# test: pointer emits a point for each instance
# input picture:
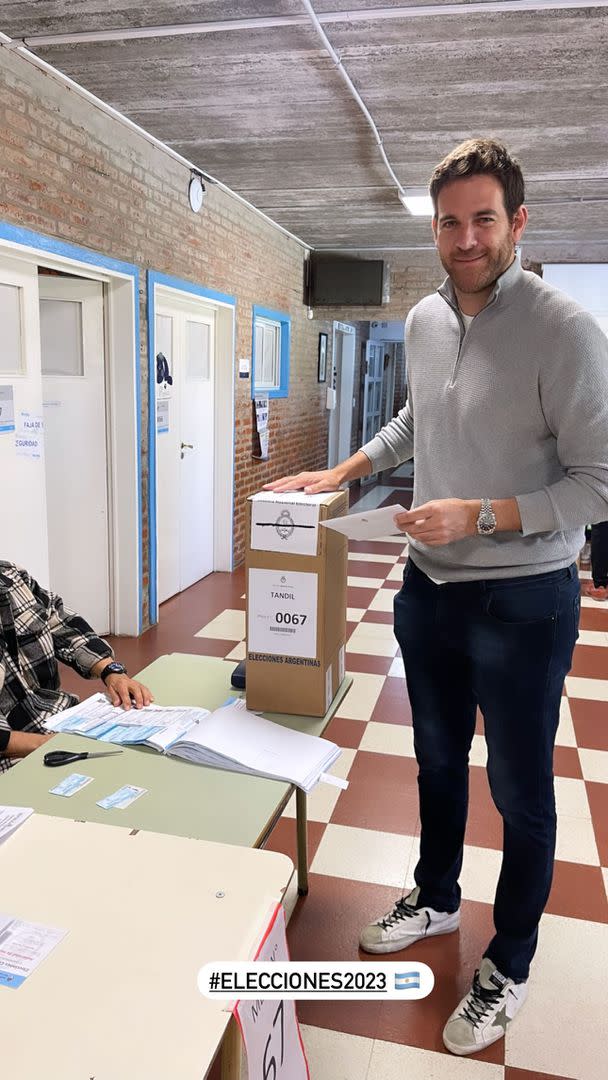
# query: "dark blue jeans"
(505, 645)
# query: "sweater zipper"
(462, 329)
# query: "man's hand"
(127, 692)
(310, 482)
(441, 521)
(327, 479)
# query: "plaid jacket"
(36, 630)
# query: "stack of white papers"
(156, 725)
(230, 738)
(234, 738)
(11, 817)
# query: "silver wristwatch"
(486, 522)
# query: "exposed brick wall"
(69, 171)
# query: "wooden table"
(182, 798)
(117, 998)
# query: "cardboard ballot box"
(296, 602)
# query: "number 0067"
(288, 619)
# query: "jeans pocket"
(521, 603)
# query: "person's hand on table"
(125, 691)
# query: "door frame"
(123, 382)
(333, 439)
(224, 305)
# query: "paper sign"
(282, 613)
(23, 946)
(29, 439)
(162, 416)
(261, 423)
(286, 522)
(7, 409)
(368, 525)
(244, 367)
(270, 1030)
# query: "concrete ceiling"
(263, 109)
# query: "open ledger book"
(228, 738)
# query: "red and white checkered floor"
(364, 843)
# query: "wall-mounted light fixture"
(417, 201)
(196, 192)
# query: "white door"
(23, 529)
(343, 373)
(372, 393)
(185, 349)
(74, 396)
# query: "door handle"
(187, 446)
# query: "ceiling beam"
(264, 22)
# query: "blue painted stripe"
(152, 545)
(7, 427)
(27, 238)
(51, 245)
(190, 287)
(139, 492)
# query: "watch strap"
(114, 667)
(486, 521)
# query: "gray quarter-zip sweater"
(516, 406)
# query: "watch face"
(196, 191)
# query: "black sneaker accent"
(402, 910)
(481, 1002)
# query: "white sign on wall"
(270, 1028)
(29, 439)
(282, 612)
(162, 416)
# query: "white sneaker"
(405, 924)
(483, 1015)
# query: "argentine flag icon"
(407, 980)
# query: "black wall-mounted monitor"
(339, 281)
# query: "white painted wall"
(585, 283)
(391, 330)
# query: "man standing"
(507, 418)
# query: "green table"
(182, 799)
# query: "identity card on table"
(122, 798)
(70, 784)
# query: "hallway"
(364, 843)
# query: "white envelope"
(369, 524)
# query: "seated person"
(36, 631)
